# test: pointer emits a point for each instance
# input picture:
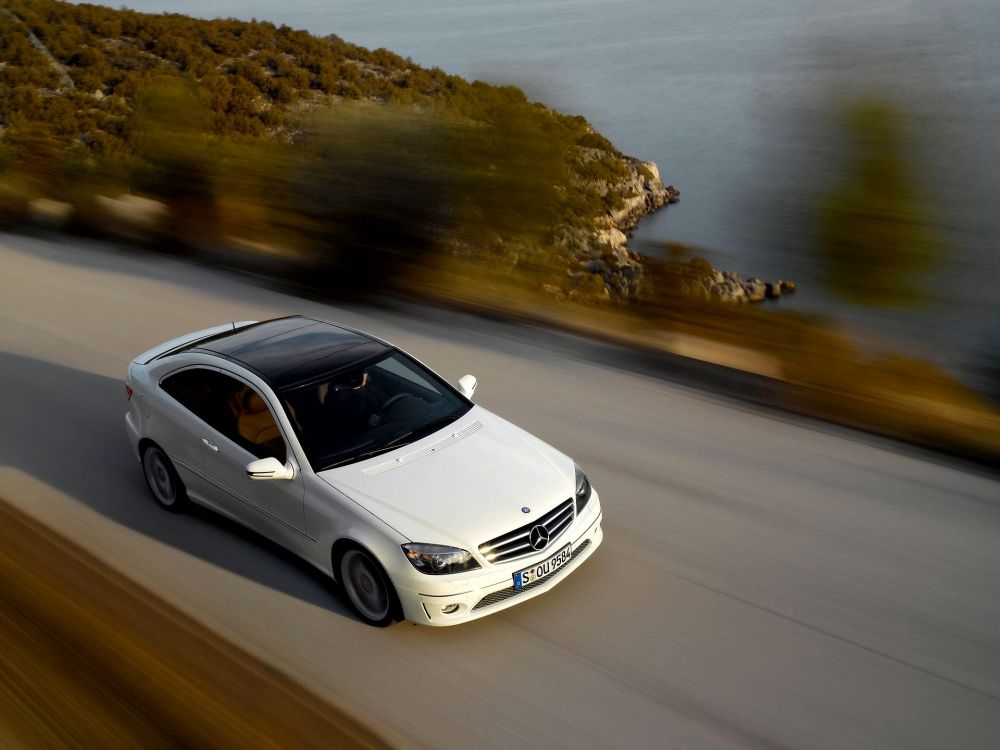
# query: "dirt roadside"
(90, 659)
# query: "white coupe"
(363, 461)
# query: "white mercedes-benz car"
(363, 461)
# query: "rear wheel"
(164, 484)
(368, 588)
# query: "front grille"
(503, 594)
(515, 544)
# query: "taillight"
(128, 391)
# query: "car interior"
(254, 423)
(363, 407)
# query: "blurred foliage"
(874, 228)
(373, 191)
(175, 164)
(252, 82)
(380, 189)
(354, 166)
(667, 276)
(13, 205)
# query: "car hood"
(462, 485)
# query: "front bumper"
(491, 589)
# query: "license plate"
(539, 570)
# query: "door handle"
(210, 445)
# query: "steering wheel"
(391, 402)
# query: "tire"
(367, 588)
(162, 480)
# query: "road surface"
(764, 582)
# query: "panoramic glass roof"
(289, 351)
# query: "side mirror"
(467, 385)
(270, 468)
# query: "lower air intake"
(499, 596)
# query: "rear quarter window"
(193, 389)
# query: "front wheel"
(368, 588)
(164, 484)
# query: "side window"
(246, 419)
(193, 388)
(231, 407)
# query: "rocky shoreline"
(726, 286)
(605, 253)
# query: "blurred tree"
(176, 161)
(371, 190)
(383, 189)
(875, 231)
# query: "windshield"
(374, 407)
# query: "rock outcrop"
(729, 287)
(604, 253)
(643, 192)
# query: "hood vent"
(417, 455)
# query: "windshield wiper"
(424, 429)
(391, 445)
(396, 442)
(435, 424)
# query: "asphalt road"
(764, 582)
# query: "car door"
(240, 429)
(177, 425)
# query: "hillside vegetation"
(212, 116)
(252, 77)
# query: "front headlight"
(437, 559)
(583, 490)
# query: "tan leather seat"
(254, 422)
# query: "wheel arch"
(341, 546)
(145, 443)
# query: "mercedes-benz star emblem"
(538, 537)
